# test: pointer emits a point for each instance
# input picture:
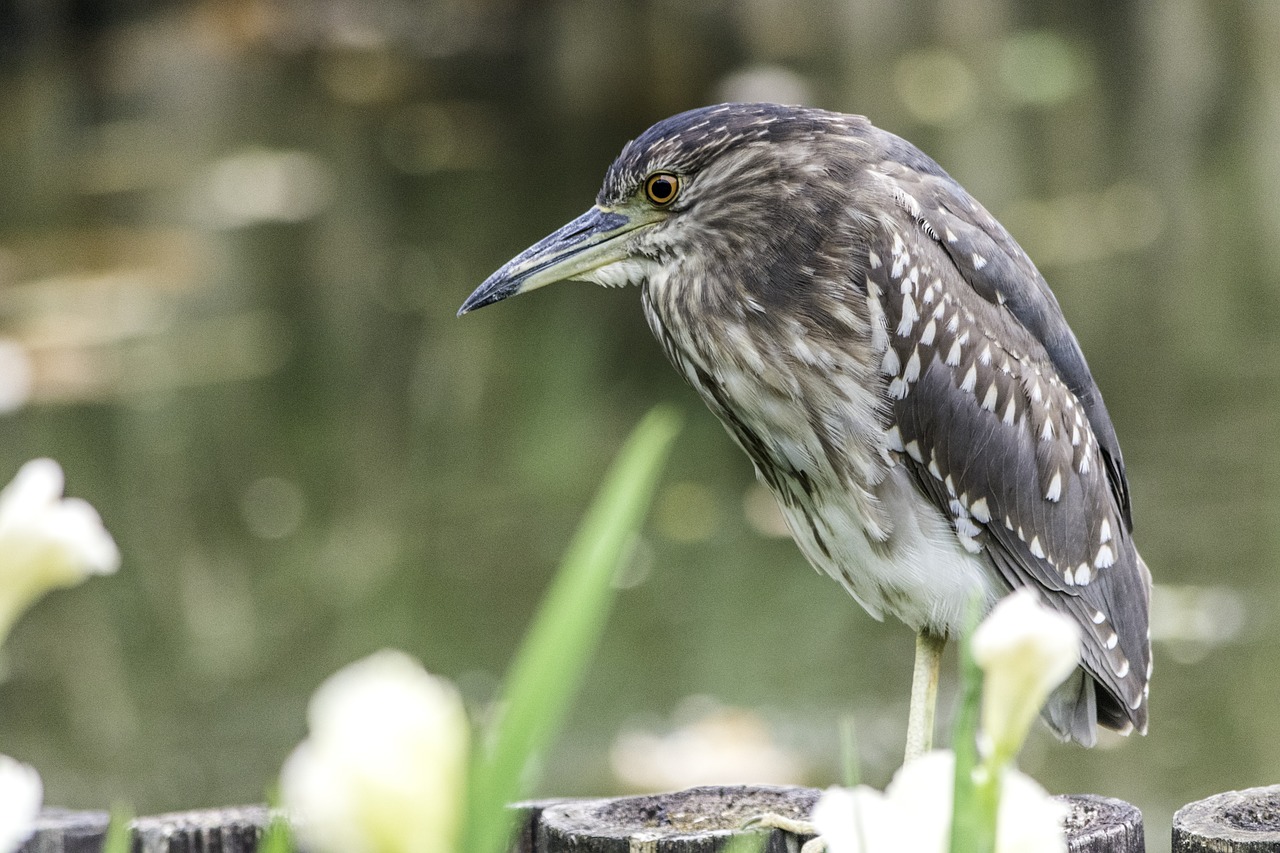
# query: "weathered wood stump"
(229, 830)
(702, 820)
(699, 820)
(66, 831)
(1103, 825)
(1235, 822)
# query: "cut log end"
(1102, 825)
(1245, 821)
(695, 820)
(701, 820)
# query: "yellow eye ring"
(661, 188)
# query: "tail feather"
(1073, 708)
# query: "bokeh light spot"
(762, 513)
(272, 507)
(686, 512)
(1040, 68)
(769, 83)
(15, 376)
(267, 186)
(934, 85)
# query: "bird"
(895, 367)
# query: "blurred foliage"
(552, 661)
(234, 236)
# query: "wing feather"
(1015, 444)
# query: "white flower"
(384, 767)
(46, 541)
(20, 797)
(1025, 650)
(1030, 821)
(858, 820)
(914, 813)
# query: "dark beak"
(593, 240)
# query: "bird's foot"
(791, 826)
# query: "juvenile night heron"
(896, 368)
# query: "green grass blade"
(753, 842)
(850, 770)
(119, 838)
(278, 835)
(553, 659)
(973, 818)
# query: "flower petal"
(1025, 650)
(384, 767)
(21, 793)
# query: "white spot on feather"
(1054, 492)
(1084, 575)
(978, 261)
(992, 397)
(953, 354)
(1111, 641)
(1009, 411)
(900, 262)
(970, 378)
(909, 316)
(893, 438)
(913, 450)
(912, 373)
(1104, 532)
(1105, 558)
(926, 336)
(1036, 549)
(980, 511)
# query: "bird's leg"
(924, 694)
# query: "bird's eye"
(661, 188)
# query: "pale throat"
(628, 271)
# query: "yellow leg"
(924, 694)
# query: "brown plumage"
(893, 364)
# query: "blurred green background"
(233, 237)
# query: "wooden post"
(65, 831)
(697, 820)
(701, 820)
(1235, 822)
(229, 830)
(1103, 825)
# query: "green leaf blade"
(553, 659)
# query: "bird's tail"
(1072, 709)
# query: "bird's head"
(730, 181)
